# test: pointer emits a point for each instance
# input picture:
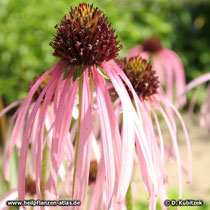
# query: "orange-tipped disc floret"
(152, 45)
(93, 171)
(84, 37)
(30, 185)
(142, 77)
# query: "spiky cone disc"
(142, 77)
(30, 186)
(84, 37)
(151, 45)
(93, 171)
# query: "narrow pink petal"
(116, 138)
(83, 161)
(158, 67)
(61, 127)
(40, 134)
(179, 74)
(58, 93)
(24, 107)
(139, 130)
(128, 133)
(174, 140)
(159, 168)
(12, 105)
(26, 137)
(205, 111)
(198, 81)
(168, 68)
(96, 148)
(6, 169)
(126, 174)
(167, 103)
(34, 144)
(159, 131)
(111, 139)
(67, 120)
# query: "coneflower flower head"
(152, 45)
(30, 185)
(141, 75)
(168, 66)
(84, 37)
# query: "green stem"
(129, 202)
(78, 131)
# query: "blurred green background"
(27, 27)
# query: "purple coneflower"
(145, 82)
(168, 66)
(86, 46)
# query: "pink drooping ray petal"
(193, 101)
(128, 136)
(153, 193)
(34, 143)
(96, 148)
(179, 73)
(85, 143)
(158, 68)
(40, 133)
(205, 111)
(49, 125)
(24, 107)
(6, 169)
(198, 81)
(62, 124)
(106, 114)
(169, 75)
(143, 167)
(96, 126)
(175, 146)
(11, 106)
(138, 122)
(116, 138)
(139, 132)
(159, 131)
(167, 103)
(159, 167)
(120, 72)
(58, 93)
(67, 120)
(12, 195)
(27, 133)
